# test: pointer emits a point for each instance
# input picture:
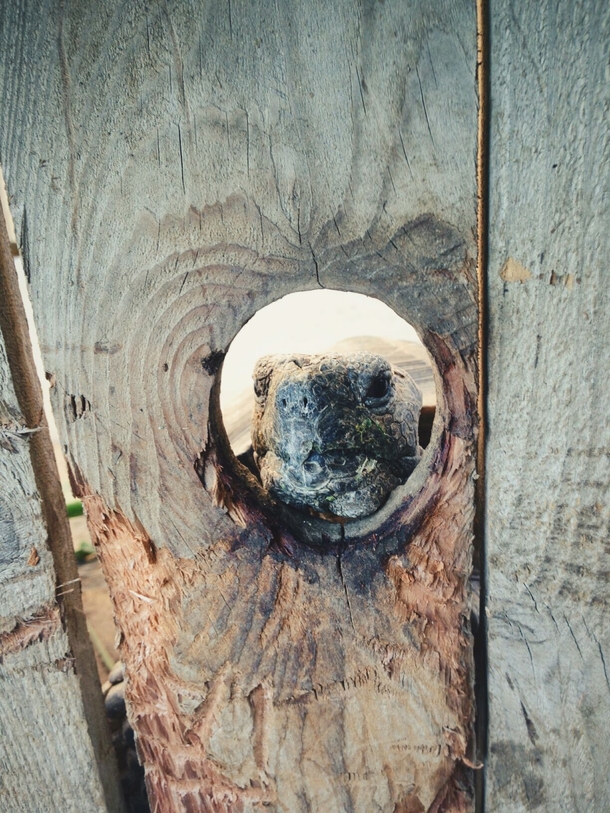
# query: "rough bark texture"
(549, 435)
(174, 167)
(55, 752)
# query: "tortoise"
(334, 434)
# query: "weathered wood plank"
(549, 436)
(174, 167)
(55, 752)
(25, 587)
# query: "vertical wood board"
(174, 167)
(47, 761)
(548, 452)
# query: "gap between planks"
(482, 173)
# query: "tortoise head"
(334, 433)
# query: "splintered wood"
(240, 155)
(297, 663)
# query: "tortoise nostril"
(283, 402)
(305, 402)
(261, 385)
(314, 468)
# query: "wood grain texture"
(549, 436)
(183, 165)
(47, 758)
(25, 587)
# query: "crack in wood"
(29, 631)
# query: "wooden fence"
(172, 167)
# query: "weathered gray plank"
(47, 762)
(25, 588)
(549, 436)
(174, 167)
(55, 754)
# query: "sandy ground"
(96, 602)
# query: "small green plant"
(84, 552)
(74, 508)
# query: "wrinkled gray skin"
(334, 433)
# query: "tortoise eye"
(379, 386)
